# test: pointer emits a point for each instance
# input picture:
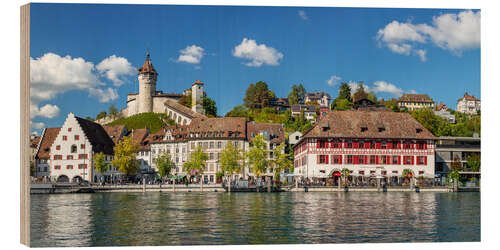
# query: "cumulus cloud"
(36, 125)
(51, 75)
(377, 87)
(303, 15)
(258, 54)
(104, 95)
(115, 68)
(191, 54)
(453, 32)
(334, 80)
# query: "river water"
(106, 219)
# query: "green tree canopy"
(125, 152)
(345, 92)
(342, 104)
(113, 111)
(231, 159)
(209, 107)
(371, 96)
(257, 95)
(238, 111)
(281, 161)
(165, 164)
(196, 162)
(257, 156)
(297, 94)
(100, 163)
(360, 93)
(102, 114)
(474, 162)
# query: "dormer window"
(381, 129)
(419, 130)
(363, 129)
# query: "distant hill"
(152, 121)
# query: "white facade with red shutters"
(337, 142)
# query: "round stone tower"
(147, 86)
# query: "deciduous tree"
(165, 164)
(125, 156)
(257, 156)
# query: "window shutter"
(412, 145)
(332, 145)
(355, 145)
(367, 145)
(327, 144)
(377, 145)
(376, 159)
(355, 159)
(345, 144)
(399, 159)
(389, 159)
(326, 158)
(425, 145)
(340, 159)
(366, 159)
(412, 159)
(425, 160)
(389, 145)
(317, 144)
(317, 159)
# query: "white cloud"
(51, 75)
(377, 87)
(104, 95)
(191, 54)
(453, 32)
(334, 80)
(258, 54)
(303, 15)
(36, 125)
(114, 68)
(422, 54)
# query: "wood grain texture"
(25, 124)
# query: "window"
(69, 166)
(212, 144)
(205, 144)
(384, 145)
(361, 144)
(323, 159)
(58, 147)
(69, 157)
(395, 159)
(82, 156)
(211, 156)
(408, 160)
(372, 171)
(219, 144)
(211, 178)
(361, 159)
(422, 160)
(176, 149)
(373, 145)
(373, 159)
(421, 145)
(77, 137)
(337, 159)
(322, 144)
(73, 148)
(57, 157)
(82, 146)
(349, 145)
(394, 145)
(349, 159)
(69, 129)
(395, 172)
(65, 138)
(420, 172)
(407, 145)
(82, 166)
(57, 167)
(361, 172)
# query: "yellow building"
(415, 101)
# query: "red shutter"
(340, 159)
(326, 156)
(389, 159)
(425, 145)
(376, 159)
(367, 145)
(317, 159)
(412, 159)
(355, 159)
(366, 159)
(399, 159)
(327, 144)
(332, 145)
(55, 157)
(377, 145)
(345, 144)
(355, 145)
(389, 145)
(412, 145)
(425, 160)
(317, 144)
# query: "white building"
(42, 157)
(309, 111)
(468, 104)
(322, 98)
(294, 137)
(370, 144)
(74, 147)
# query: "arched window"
(73, 148)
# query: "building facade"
(322, 98)
(42, 157)
(309, 111)
(468, 104)
(449, 148)
(369, 143)
(415, 101)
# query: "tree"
(345, 92)
(407, 174)
(186, 99)
(342, 104)
(238, 111)
(113, 111)
(230, 159)
(165, 164)
(455, 176)
(474, 162)
(125, 152)
(257, 156)
(297, 94)
(456, 164)
(345, 172)
(257, 95)
(100, 164)
(209, 107)
(372, 97)
(89, 118)
(360, 93)
(281, 160)
(101, 115)
(196, 163)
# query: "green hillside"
(152, 121)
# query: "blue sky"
(84, 57)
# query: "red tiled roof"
(415, 98)
(275, 131)
(378, 124)
(183, 109)
(140, 136)
(197, 82)
(115, 132)
(48, 137)
(147, 67)
(218, 127)
(469, 98)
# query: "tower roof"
(147, 67)
(197, 82)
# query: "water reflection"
(105, 219)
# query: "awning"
(337, 174)
(177, 177)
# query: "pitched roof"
(317, 95)
(218, 127)
(147, 67)
(415, 98)
(114, 132)
(198, 82)
(140, 136)
(97, 136)
(182, 109)
(275, 131)
(469, 98)
(48, 137)
(303, 107)
(378, 124)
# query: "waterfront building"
(468, 104)
(322, 98)
(42, 156)
(449, 148)
(74, 147)
(371, 144)
(415, 101)
(308, 110)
